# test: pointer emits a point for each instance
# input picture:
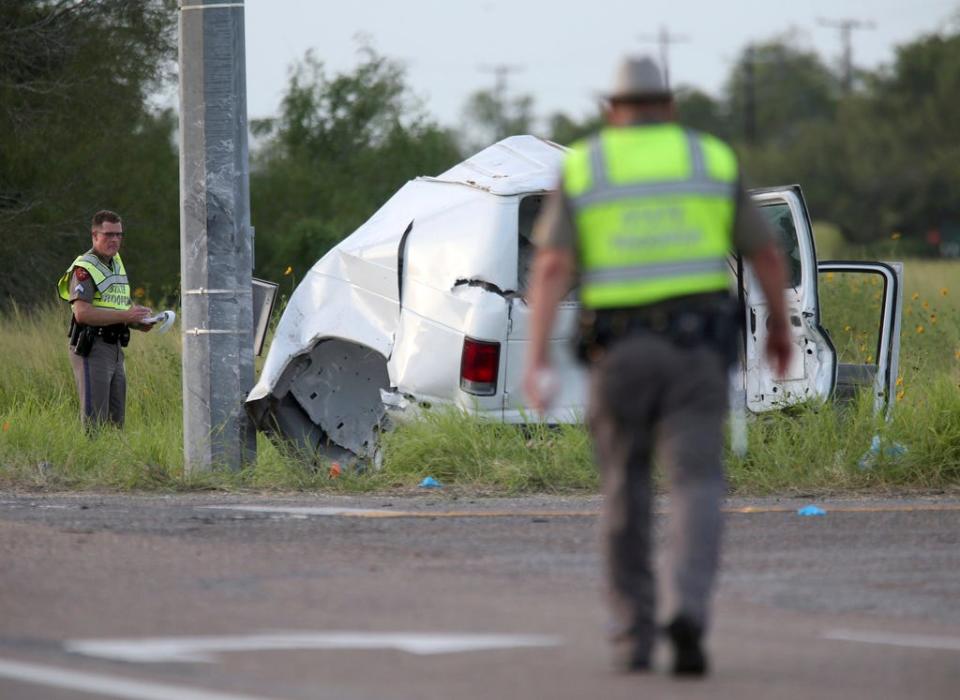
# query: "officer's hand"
(539, 386)
(136, 313)
(779, 347)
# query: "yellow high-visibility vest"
(112, 287)
(654, 207)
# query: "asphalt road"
(212, 598)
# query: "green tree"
(566, 130)
(700, 111)
(910, 128)
(776, 86)
(491, 116)
(76, 134)
(882, 159)
(340, 148)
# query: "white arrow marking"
(204, 649)
(101, 685)
(917, 641)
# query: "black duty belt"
(713, 320)
(117, 333)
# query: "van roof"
(515, 165)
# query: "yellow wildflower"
(926, 304)
(829, 277)
(916, 295)
(920, 329)
(900, 395)
(869, 359)
(139, 292)
(900, 381)
(847, 329)
(895, 235)
(944, 291)
(288, 270)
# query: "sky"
(562, 54)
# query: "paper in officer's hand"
(164, 318)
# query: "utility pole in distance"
(215, 236)
(750, 95)
(500, 72)
(846, 26)
(664, 38)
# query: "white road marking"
(306, 510)
(916, 641)
(102, 685)
(204, 649)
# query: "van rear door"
(812, 370)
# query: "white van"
(424, 305)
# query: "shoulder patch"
(81, 273)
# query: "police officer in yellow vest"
(646, 215)
(96, 286)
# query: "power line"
(664, 38)
(846, 27)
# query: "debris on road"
(811, 510)
(430, 483)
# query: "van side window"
(779, 217)
(529, 210)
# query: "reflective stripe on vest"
(112, 286)
(654, 208)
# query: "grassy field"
(808, 449)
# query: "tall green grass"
(809, 448)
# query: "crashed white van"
(424, 305)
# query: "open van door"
(862, 303)
(812, 370)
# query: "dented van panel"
(389, 322)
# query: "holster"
(81, 338)
(714, 320)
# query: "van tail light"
(479, 367)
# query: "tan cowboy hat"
(639, 79)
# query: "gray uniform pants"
(650, 397)
(101, 383)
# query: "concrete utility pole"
(846, 26)
(215, 235)
(664, 38)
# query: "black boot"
(631, 657)
(689, 658)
